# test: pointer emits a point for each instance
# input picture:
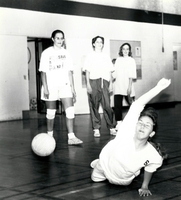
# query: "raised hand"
(163, 83)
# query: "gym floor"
(66, 173)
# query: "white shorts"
(57, 93)
(99, 174)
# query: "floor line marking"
(171, 167)
(79, 190)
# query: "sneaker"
(96, 133)
(94, 163)
(74, 141)
(118, 125)
(113, 131)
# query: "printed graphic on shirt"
(56, 62)
(146, 163)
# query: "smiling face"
(125, 50)
(58, 40)
(98, 45)
(144, 128)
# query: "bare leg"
(68, 102)
(72, 139)
(50, 122)
(50, 125)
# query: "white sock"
(71, 135)
(50, 133)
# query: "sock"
(71, 135)
(50, 133)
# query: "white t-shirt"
(56, 64)
(119, 159)
(99, 65)
(125, 68)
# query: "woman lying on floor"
(121, 160)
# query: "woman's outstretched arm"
(148, 96)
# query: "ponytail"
(159, 149)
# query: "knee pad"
(70, 112)
(50, 113)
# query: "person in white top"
(121, 160)
(56, 69)
(125, 73)
(99, 68)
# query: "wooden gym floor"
(66, 173)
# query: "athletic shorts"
(99, 174)
(57, 93)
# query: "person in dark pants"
(99, 68)
(125, 73)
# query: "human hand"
(46, 94)
(144, 192)
(130, 99)
(129, 91)
(163, 83)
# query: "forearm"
(111, 77)
(87, 75)
(161, 85)
(144, 191)
(144, 99)
(129, 86)
(146, 180)
(44, 80)
(71, 78)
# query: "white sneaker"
(118, 125)
(74, 141)
(96, 133)
(113, 131)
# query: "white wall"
(16, 25)
(13, 77)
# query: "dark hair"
(95, 38)
(159, 148)
(151, 112)
(57, 31)
(121, 48)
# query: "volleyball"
(43, 144)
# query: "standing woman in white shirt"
(56, 69)
(99, 68)
(125, 72)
